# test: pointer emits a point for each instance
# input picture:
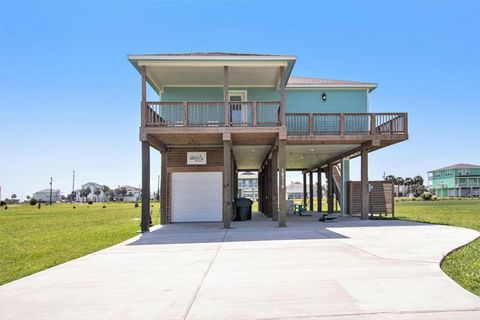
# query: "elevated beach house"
(458, 180)
(219, 113)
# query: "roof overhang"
(369, 87)
(208, 71)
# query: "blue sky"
(69, 99)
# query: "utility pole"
(51, 190)
(73, 185)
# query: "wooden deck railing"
(206, 114)
(346, 123)
(266, 114)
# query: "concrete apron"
(347, 270)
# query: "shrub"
(39, 205)
(426, 196)
(33, 202)
(90, 202)
(136, 204)
(6, 207)
(2, 203)
(74, 207)
(104, 206)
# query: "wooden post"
(330, 188)
(282, 96)
(274, 174)
(305, 189)
(185, 113)
(319, 190)
(269, 187)
(342, 124)
(282, 191)
(145, 220)
(260, 191)
(227, 180)
(373, 124)
(311, 190)
(254, 114)
(310, 124)
(163, 189)
(225, 97)
(143, 104)
(364, 183)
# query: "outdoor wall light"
(324, 97)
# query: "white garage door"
(196, 196)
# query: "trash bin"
(244, 209)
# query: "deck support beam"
(225, 96)
(345, 179)
(268, 171)
(364, 183)
(330, 187)
(311, 191)
(282, 190)
(282, 96)
(227, 180)
(319, 190)
(274, 175)
(145, 219)
(163, 188)
(305, 189)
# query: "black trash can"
(244, 209)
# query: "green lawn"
(462, 265)
(34, 239)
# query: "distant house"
(248, 185)
(295, 190)
(91, 196)
(133, 194)
(44, 195)
(458, 180)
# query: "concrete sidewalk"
(310, 270)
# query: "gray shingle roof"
(458, 166)
(298, 81)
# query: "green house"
(458, 180)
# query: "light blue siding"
(297, 101)
(216, 94)
(338, 101)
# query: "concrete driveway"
(310, 270)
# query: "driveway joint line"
(199, 287)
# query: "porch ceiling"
(195, 76)
(250, 157)
(306, 156)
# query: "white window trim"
(242, 93)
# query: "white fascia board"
(217, 63)
(209, 58)
(370, 88)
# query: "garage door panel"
(196, 196)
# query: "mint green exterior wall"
(338, 101)
(301, 101)
(216, 94)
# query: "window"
(436, 175)
(464, 172)
(449, 173)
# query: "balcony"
(346, 123)
(267, 114)
(212, 114)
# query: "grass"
(462, 265)
(33, 239)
